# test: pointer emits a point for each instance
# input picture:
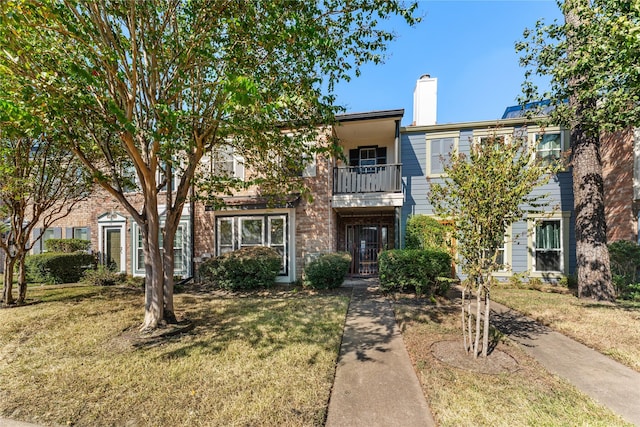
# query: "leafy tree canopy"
(602, 65)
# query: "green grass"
(612, 329)
(527, 397)
(265, 359)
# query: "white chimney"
(425, 101)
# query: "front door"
(112, 249)
(364, 243)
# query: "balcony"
(367, 179)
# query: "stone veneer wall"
(617, 170)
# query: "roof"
(370, 115)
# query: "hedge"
(67, 245)
(52, 267)
(327, 271)
(422, 271)
(425, 232)
(247, 268)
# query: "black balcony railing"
(367, 179)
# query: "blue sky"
(467, 45)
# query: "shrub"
(58, 267)
(423, 271)
(247, 268)
(67, 245)
(425, 232)
(570, 282)
(625, 260)
(327, 271)
(103, 276)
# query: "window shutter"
(68, 233)
(37, 247)
(354, 157)
(57, 232)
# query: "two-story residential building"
(543, 245)
(355, 207)
(361, 200)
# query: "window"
(503, 258)
(549, 147)
(257, 230)
(438, 154)
(47, 234)
(367, 158)
(224, 162)
(498, 140)
(548, 246)
(251, 232)
(225, 235)
(180, 250)
(309, 162)
(175, 174)
(81, 233)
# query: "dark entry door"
(364, 242)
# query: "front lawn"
(612, 329)
(526, 396)
(260, 359)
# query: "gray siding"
(558, 193)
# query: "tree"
(595, 87)
(482, 194)
(41, 182)
(146, 89)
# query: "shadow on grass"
(515, 325)
(73, 294)
(266, 324)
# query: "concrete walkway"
(608, 382)
(375, 384)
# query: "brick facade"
(617, 151)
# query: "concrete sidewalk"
(5, 422)
(608, 382)
(375, 384)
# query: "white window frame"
(454, 136)
(266, 228)
(218, 238)
(138, 250)
(541, 133)
(507, 254)
(507, 134)
(241, 221)
(86, 231)
(563, 218)
(47, 234)
(228, 153)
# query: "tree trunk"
(594, 273)
(476, 344)
(464, 323)
(487, 313)
(168, 264)
(593, 265)
(22, 280)
(153, 307)
(7, 290)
